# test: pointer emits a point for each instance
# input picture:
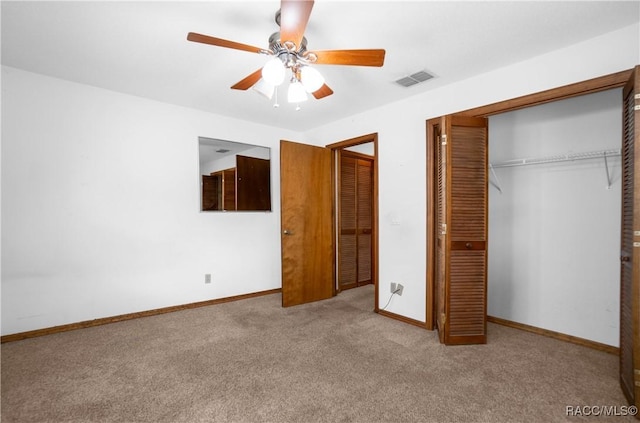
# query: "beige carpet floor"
(331, 361)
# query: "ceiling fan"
(288, 51)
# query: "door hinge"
(637, 108)
(443, 229)
(444, 139)
(637, 96)
(636, 244)
(443, 318)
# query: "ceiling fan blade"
(373, 57)
(249, 81)
(205, 39)
(322, 92)
(294, 16)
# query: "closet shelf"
(570, 157)
(600, 154)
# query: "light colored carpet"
(331, 361)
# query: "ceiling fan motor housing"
(291, 55)
(276, 45)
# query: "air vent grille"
(414, 79)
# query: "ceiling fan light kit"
(288, 51)
(304, 79)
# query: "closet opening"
(554, 218)
(608, 82)
(626, 137)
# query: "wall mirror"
(234, 176)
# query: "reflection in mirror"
(234, 176)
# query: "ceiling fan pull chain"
(275, 103)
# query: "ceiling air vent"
(414, 79)
(222, 150)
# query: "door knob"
(287, 232)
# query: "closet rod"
(559, 158)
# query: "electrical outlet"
(207, 278)
(393, 287)
(399, 288)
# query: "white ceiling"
(140, 48)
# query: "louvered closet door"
(355, 251)
(441, 229)
(229, 189)
(630, 244)
(461, 277)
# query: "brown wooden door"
(630, 243)
(210, 192)
(461, 225)
(307, 240)
(253, 183)
(355, 223)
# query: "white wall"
(100, 200)
(554, 232)
(401, 146)
(92, 226)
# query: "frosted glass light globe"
(311, 79)
(297, 93)
(264, 88)
(273, 71)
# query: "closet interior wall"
(554, 228)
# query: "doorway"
(355, 170)
(309, 203)
(354, 219)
